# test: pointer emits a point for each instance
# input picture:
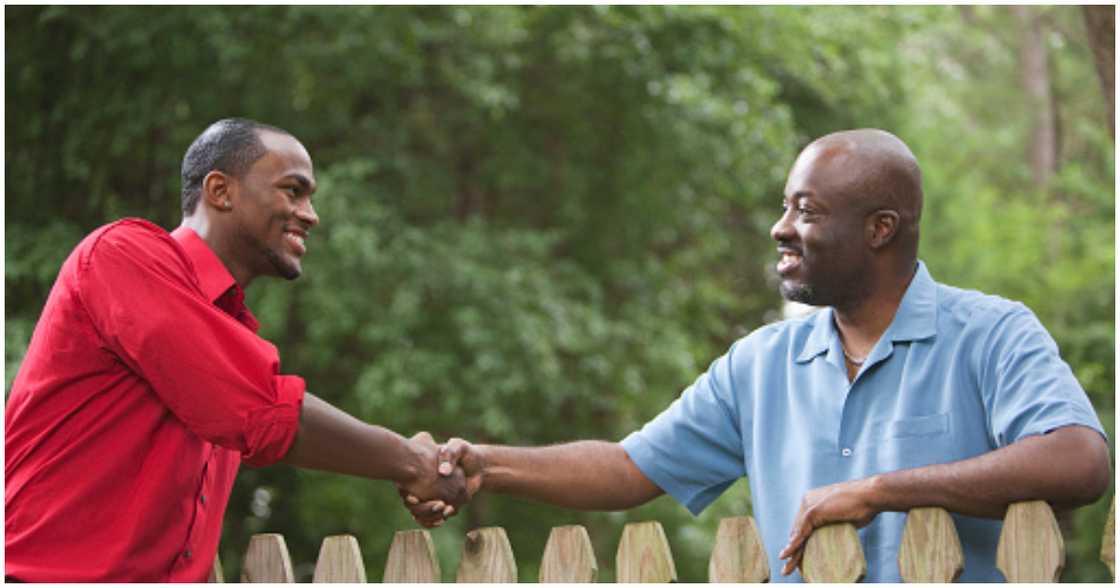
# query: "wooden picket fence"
(1030, 550)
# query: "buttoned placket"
(851, 425)
(200, 511)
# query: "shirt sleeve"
(1028, 388)
(694, 449)
(217, 376)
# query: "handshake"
(445, 478)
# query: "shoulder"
(129, 249)
(990, 325)
(129, 232)
(972, 308)
(135, 236)
(777, 339)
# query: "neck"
(862, 324)
(220, 244)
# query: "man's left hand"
(846, 502)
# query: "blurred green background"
(541, 223)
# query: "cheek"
(831, 242)
(817, 241)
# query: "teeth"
(297, 238)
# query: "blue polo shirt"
(956, 374)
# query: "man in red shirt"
(145, 384)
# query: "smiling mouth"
(789, 262)
(296, 241)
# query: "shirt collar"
(917, 315)
(915, 319)
(213, 277)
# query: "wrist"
(877, 494)
(483, 457)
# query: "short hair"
(230, 145)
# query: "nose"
(306, 213)
(783, 229)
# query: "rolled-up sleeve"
(214, 374)
(693, 450)
(1028, 388)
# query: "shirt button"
(846, 452)
(203, 499)
(187, 554)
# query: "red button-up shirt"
(144, 387)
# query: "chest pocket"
(913, 442)
(923, 426)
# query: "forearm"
(1068, 467)
(333, 441)
(584, 475)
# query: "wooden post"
(266, 560)
(216, 576)
(931, 549)
(643, 555)
(340, 560)
(833, 554)
(1030, 547)
(487, 557)
(568, 557)
(1108, 540)
(738, 555)
(412, 559)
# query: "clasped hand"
(454, 477)
(846, 502)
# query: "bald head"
(866, 170)
(850, 227)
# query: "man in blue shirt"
(901, 393)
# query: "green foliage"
(541, 223)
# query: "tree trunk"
(1100, 21)
(1036, 86)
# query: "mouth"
(789, 261)
(295, 240)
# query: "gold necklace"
(848, 357)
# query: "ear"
(882, 226)
(217, 190)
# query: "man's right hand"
(457, 459)
(444, 490)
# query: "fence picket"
(340, 560)
(568, 557)
(267, 560)
(931, 549)
(1108, 540)
(644, 555)
(412, 559)
(487, 557)
(216, 576)
(1030, 547)
(738, 555)
(833, 554)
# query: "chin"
(287, 268)
(798, 292)
(290, 271)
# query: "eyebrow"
(797, 196)
(304, 183)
